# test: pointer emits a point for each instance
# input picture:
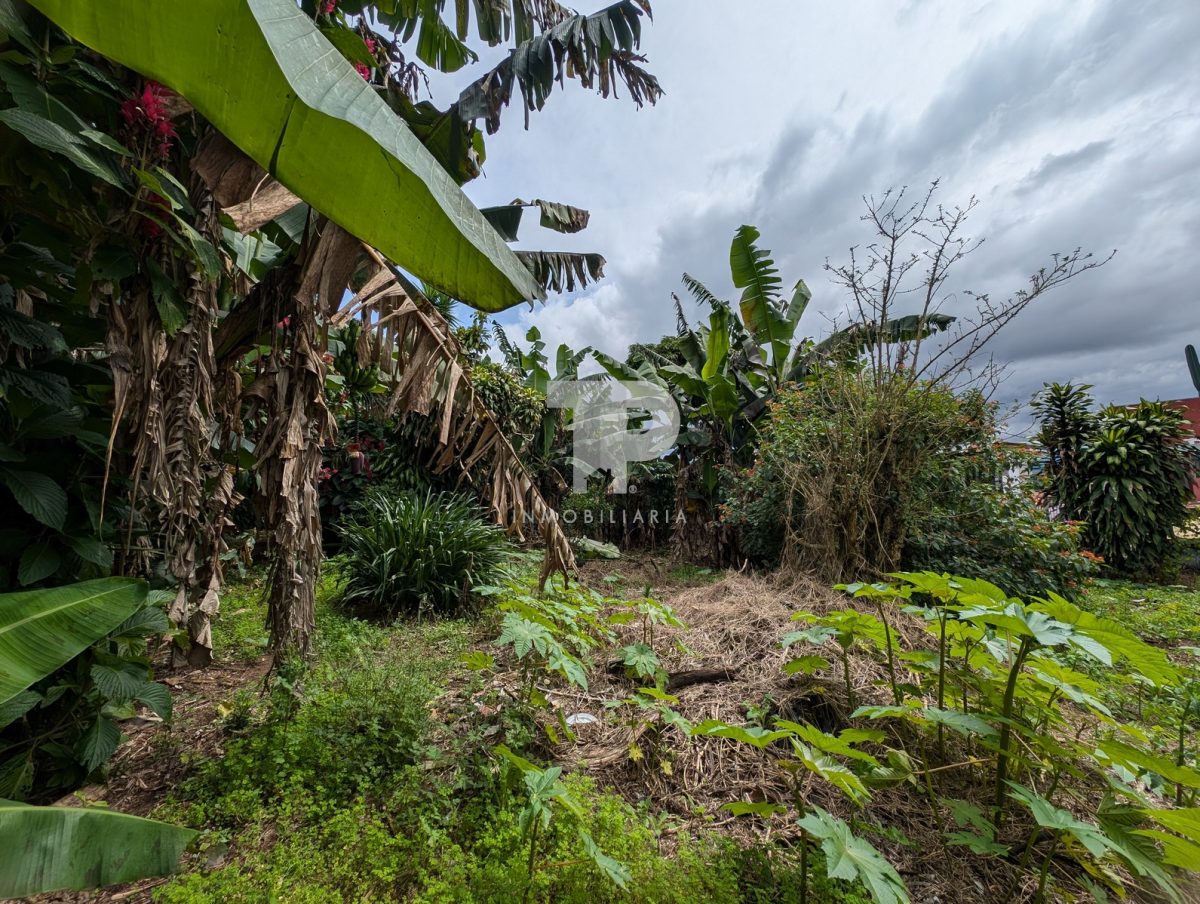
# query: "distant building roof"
(1191, 411)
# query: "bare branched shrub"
(876, 415)
(915, 247)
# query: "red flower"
(146, 115)
(361, 69)
(284, 323)
(330, 6)
(371, 45)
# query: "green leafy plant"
(345, 120)
(1126, 472)
(412, 554)
(545, 793)
(832, 758)
(82, 847)
(1013, 667)
(73, 663)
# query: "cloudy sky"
(1075, 123)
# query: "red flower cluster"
(146, 115)
(329, 7)
(371, 45)
(326, 473)
(363, 70)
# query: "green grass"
(1169, 617)
(240, 625)
(1163, 615)
(348, 781)
(694, 574)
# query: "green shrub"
(838, 469)
(1000, 536)
(325, 733)
(409, 554)
(850, 469)
(1126, 472)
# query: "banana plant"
(295, 105)
(82, 847)
(69, 847)
(42, 630)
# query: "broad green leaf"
(851, 858)
(50, 136)
(41, 630)
(840, 744)
(262, 73)
(805, 665)
(617, 873)
(655, 694)
(117, 685)
(1178, 852)
(15, 707)
(477, 660)
(568, 666)
(38, 494)
(963, 723)
(156, 697)
(516, 759)
(753, 735)
(524, 635)
(37, 562)
(641, 658)
(78, 848)
(1048, 816)
(90, 550)
(1142, 761)
(1113, 637)
(717, 350)
(98, 743)
(754, 272)
(1184, 851)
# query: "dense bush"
(839, 467)
(851, 469)
(407, 554)
(327, 731)
(1000, 535)
(1126, 472)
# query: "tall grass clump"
(412, 554)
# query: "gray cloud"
(1055, 167)
(1076, 126)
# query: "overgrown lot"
(413, 761)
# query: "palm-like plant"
(732, 366)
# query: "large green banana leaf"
(41, 630)
(49, 848)
(762, 311)
(264, 75)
